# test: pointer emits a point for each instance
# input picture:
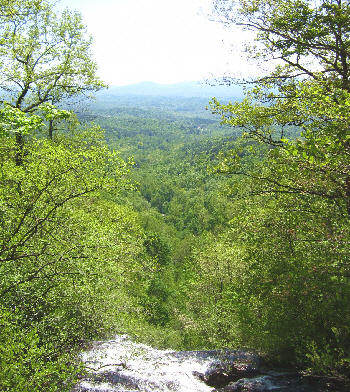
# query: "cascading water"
(124, 366)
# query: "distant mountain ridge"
(183, 89)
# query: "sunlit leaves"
(15, 121)
(299, 198)
(45, 57)
(56, 246)
(307, 36)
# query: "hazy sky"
(165, 41)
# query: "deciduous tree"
(300, 236)
(44, 58)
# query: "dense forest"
(182, 221)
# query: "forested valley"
(184, 222)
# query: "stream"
(123, 365)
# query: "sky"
(164, 41)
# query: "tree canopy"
(308, 89)
(299, 194)
(56, 252)
(311, 39)
(45, 57)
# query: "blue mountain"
(202, 89)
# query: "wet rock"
(286, 382)
(244, 370)
(222, 374)
(258, 384)
(199, 375)
(217, 378)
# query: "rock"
(222, 374)
(258, 384)
(217, 378)
(286, 382)
(244, 370)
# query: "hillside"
(200, 89)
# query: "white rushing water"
(122, 365)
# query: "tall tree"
(311, 39)
(298, 239)
(51, 278)
(44, 58)
(308, 89)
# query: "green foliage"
(27, 365)
(49, 259)
(214, 273)
(156, 306)
(60, 250)
(257, 257)
(44, 57)
(295, 230)
(15, 121)
(157, 248)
